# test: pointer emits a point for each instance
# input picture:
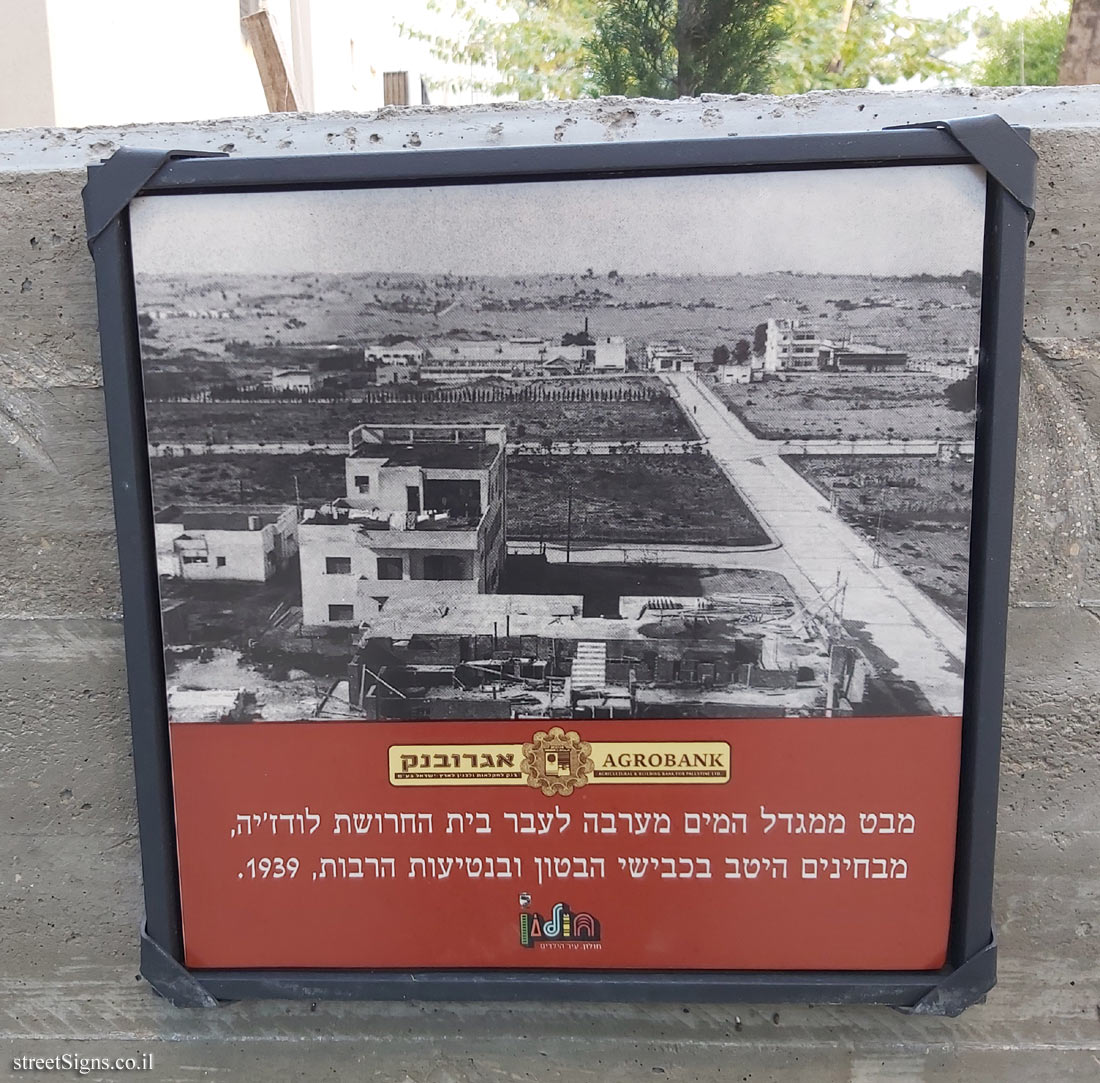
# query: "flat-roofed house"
(422, 516)
(669, 357)
(299, 380)
(248, 542)
(610, 353)
(856, 358)
(396, 364)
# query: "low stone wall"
(70, 902)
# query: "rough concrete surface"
(70, 899)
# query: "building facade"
(301, 381)
(524, 358)
(669, 357)
(422, 516)
(796, 346)
(234, 542)
(397, 364)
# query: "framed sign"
(572, 571)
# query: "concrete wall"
(69, 877)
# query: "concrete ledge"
(589, 120)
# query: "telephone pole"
(569, 521)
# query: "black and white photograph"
(692, 446)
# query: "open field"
(247, 479)
(905, 405)
(919, 509)
(661, 499)
(656, 418)
(670, 499)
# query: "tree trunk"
(1081, 56)
(688, 13)
(837, 62)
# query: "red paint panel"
(877, 899)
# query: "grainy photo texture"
(662, 447)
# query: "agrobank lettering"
(664, 759)
(558, 762)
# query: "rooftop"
(859, 348)
(443, 455)
(220, 517)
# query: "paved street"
(927, 645)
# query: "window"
(341, 612)
(195, 560)
(362, 483)
(221, 562)
(337, 565)
(391, 568)
(445, 566)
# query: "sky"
(884, 221)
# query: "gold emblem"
(557, 762)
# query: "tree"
(742, 351)
(568, 48)
(674, 48)
(720, 355)
(972, 283)
(760, 339)
(1080, 63)
(1024, 52)
(531, 48)
(867, 39)
(962, 395)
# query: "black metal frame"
(987, 141)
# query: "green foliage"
(669, 48)
(1024, 52)
(665, 48)
(879, 42)
(632, 49)
(535, 46)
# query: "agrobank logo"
(562, 928)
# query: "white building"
(300, 381)
(397, 364)
(458, 362)
(947, 368)
(422, 516)
(669, 357)
(734, 372)
(225, 542)
(517, 358)
(795, 346)
(610, 353)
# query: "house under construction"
(539, 657)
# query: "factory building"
(794, 346)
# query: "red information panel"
(752, 844)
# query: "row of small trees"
(597, 391)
